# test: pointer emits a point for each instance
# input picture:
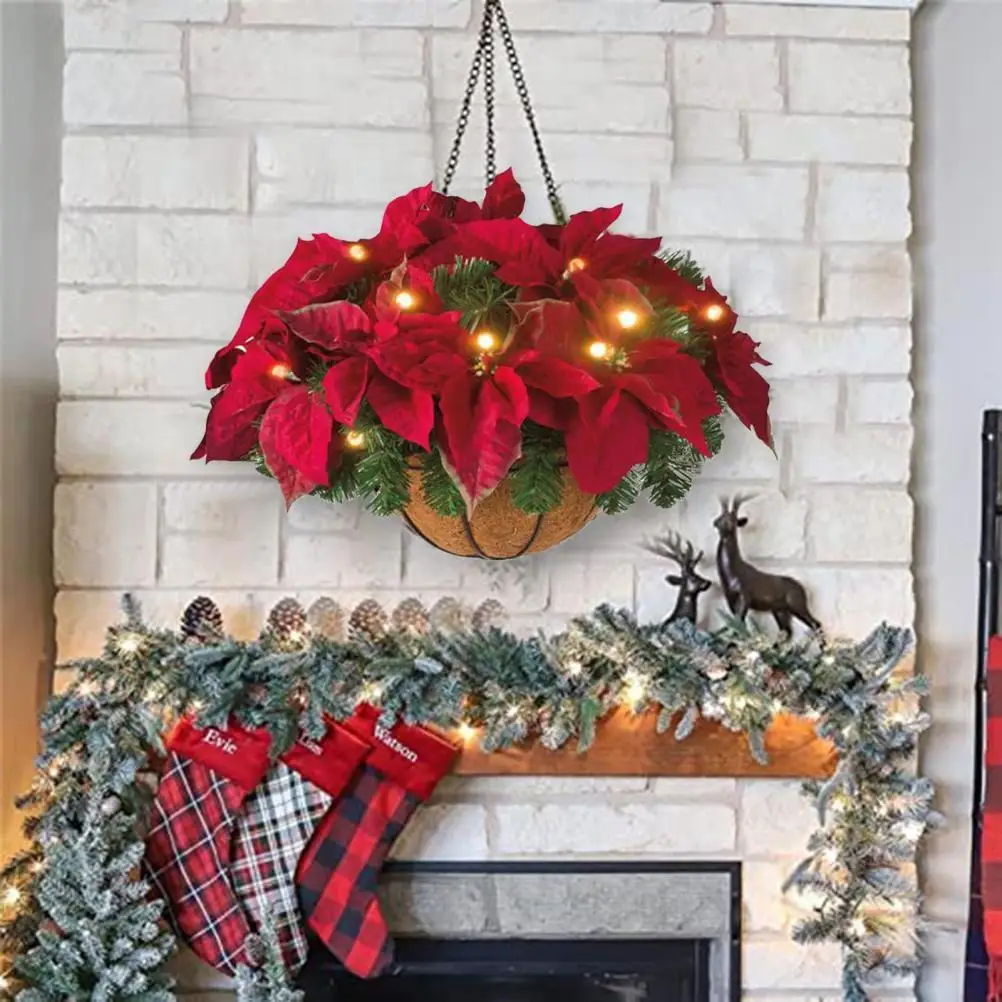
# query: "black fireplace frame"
(484, 954)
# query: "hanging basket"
(498, 530)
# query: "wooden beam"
(629, 745)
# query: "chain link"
(483, 59)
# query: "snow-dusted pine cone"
(326, 617)
(287, 621)
(411, 615)
(449, 616)
(369, 620)
(201, 618)
(489, 613)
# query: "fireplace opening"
(526, 971)
(573, 931)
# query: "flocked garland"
(77, 920)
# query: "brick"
(82, 617)
(578, 584)
(707, 135)
(426, 567)
(310, 166)
(776, 281)
(205, 172)
(868, 284)
(781, 963)
(308, 77)
(851, 602)
(640, 16)
(581, 83)
(370, 557)
(774, 819)
(879, 401)
(773, 21)
(105, 534)
(359, 13)
(636, 829)
(695, 788)
(444, 832)
(520, 586)
(766, 909)
(864, 454)
(101, 88)
(742, 457)
(872, 526)
(90, 26)
(134, 438)
(152, 372)
(529, 787)
(145, 313)
(583, 157)
(316, 515)
(828, 139)
(834, 351)
(839, 79)
(863, 205)
(735, 202)
(803, 401)
(218, 509)
(219, 561)
(186, 10)
(710, 73)
(149, 249)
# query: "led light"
(486, 341)
(87, 688)
(11, 896)
(635, 690)
(599, 349)
(574, 669)
(576, 264)
(280, 370)
(405, 300)
(358, 252)
(4, 983)
(371, 692)
(37, 866)
(467, 733)
(129, 643)
(354, 439)
(628, 319)
(714, 312)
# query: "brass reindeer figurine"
(690, 583)
(746, 588)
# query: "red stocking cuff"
(234, 752)
(330, 762)
(414, 757)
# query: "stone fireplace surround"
(772, 139)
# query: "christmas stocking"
(206, 779)
(337, 873)
(276, 824)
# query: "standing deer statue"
(746, 588)
(690, 583)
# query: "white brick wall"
(203, 136)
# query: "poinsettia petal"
(230, 431)
(405, 209)
(745, 390)
(617, 254)
(584, 228)
(608, 437)
(554, 376)
(504, 198)
(345, 385)
(509, 385)
(410, 413)
(553, 327)
(549, 411)
(480, 441)
(504, 240)
(328, 324)
(295, 439)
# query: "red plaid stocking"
(276, 824)
(207, 776)
(339, 870)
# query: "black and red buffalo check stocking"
(339, 870)
(206, 779)
(277, 822)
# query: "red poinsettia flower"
(260, 373)
(344, 333)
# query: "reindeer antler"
(670, 545)
(739, 500)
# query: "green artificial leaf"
(439, 489)
(536, 485)
(623, 495)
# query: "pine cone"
(489, 614)
(449, 616)
(201, 619)
(326, 617)
(287, 621)
(411, 616)
(369, 620)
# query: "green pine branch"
(470, 287)
(684, 263)
(536, 481)
(624, 494)
(381, 471)
(439, 489)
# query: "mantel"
(627, 745)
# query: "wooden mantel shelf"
(627, 745)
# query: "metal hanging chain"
(483, 57)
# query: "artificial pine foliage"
(438, 488)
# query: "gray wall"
(30, 135)
(958, 368)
